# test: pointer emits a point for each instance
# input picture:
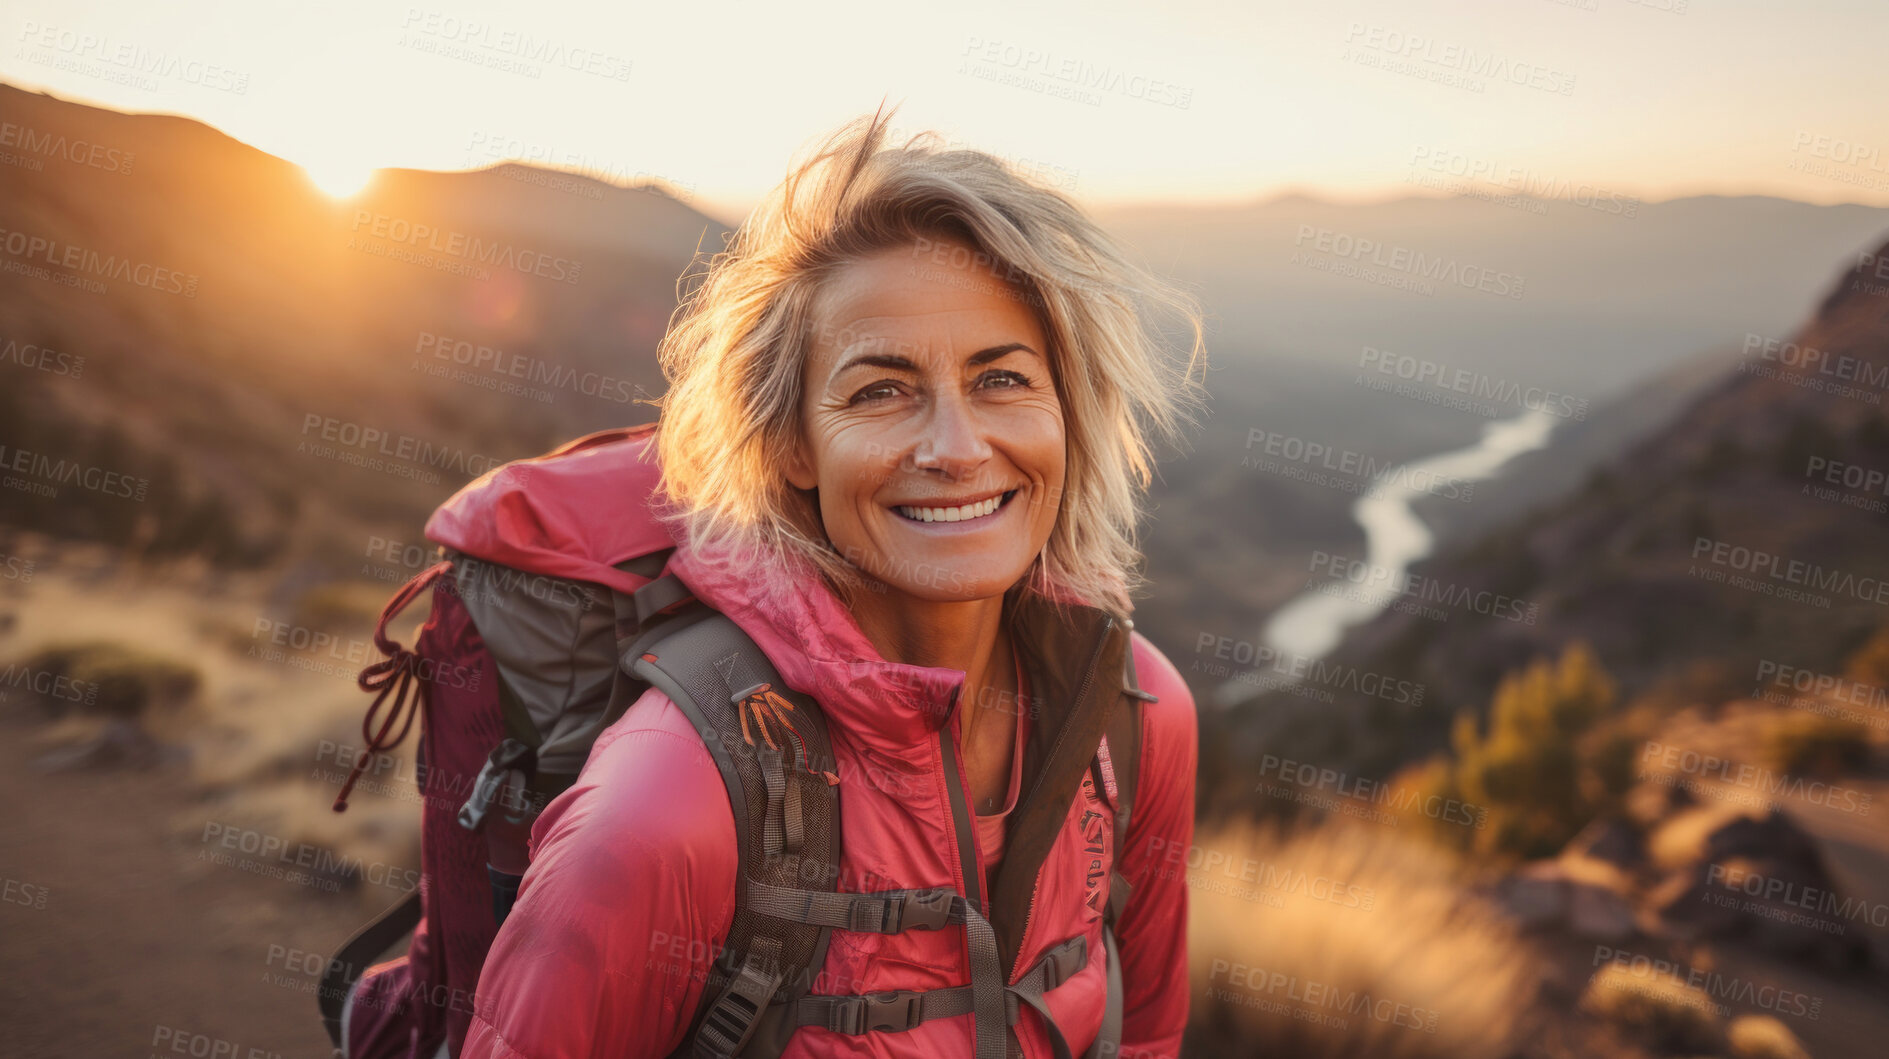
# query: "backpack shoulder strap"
(772, 746)
(1118, 769)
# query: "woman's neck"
(965, 635)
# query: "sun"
(338, 180)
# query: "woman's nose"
(954, 440)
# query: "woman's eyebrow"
(899, 363)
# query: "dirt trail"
(139, 943)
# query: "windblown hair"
(735, 355)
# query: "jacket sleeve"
(628, 898)
(1152, 934)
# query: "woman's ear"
(798, 468)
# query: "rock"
(1616, 842)
(121, 743)
(1650, 803)
(1753, 876)
(1536, 896)
(1600, 913)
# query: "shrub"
(108, 678)
(1543, 768)
(1812, 744)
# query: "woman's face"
(931, 425)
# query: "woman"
(903, 449)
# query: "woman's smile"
(957, 516)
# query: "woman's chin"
(954, 582)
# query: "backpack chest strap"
(899, 1010)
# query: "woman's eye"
(877, 391)
(1003, 380)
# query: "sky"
(1185, 100)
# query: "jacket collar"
(816, 643)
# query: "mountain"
(1585, 300)
(287, 374)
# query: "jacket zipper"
(1036, 884)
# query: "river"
(1312, 623)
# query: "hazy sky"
(1195, 100)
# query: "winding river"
(1312, 623)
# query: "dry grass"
(1763, 1037)
(266, 735)
(1349, 941)
(1659, 1011)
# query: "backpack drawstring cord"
(395, 674)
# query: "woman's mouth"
(972, 512)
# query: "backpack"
(514, 675)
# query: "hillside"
(287, 374)
(1750, 529)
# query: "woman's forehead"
(892, 303)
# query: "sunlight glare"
(339, 180)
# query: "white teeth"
(953, 514)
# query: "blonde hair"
(736, 352)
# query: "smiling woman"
(904, 450)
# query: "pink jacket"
(631, 886)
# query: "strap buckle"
(893, 1011)
(920, 910)
(507, 757)
(1061, 963)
